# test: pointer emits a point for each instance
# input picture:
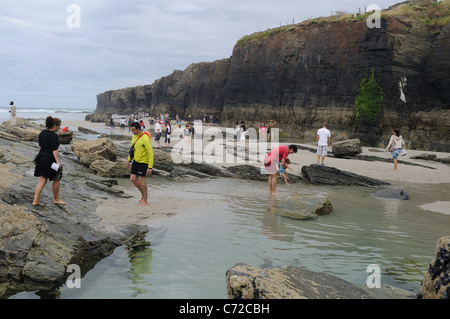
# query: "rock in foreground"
(436, 283)
(303, 207)
(247, 282)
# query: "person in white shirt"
(157, 134)
(322, 142)
(12, 110)
(395, 146)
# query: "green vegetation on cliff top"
(423, 11)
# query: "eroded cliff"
(306, 74)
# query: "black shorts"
(139, 169)
(157, 136)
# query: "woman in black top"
(48, 154)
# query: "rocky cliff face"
(304, 75)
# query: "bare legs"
(395, 165)
(40, 186)
(273, 178)
(318, 159)
(141, 185)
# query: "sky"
(61, 54)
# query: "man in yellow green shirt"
(141, 157)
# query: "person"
(123, 121)
(192, 130)
(47, 156)
(13, 111)
(243, 132)
(262, 131)
(272, 164)
(157, 134)
(187, 134)
(141, 157)
(168, 132)
(323, 141)
(282, 171)
(111, 124)
(395, 146)
(269, 130)
(237, 130)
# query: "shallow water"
(187, 255)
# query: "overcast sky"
(51, 59)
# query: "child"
(282, 171)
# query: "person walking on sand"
(13, 112)
(45, 168)
(272, 162)
(157, 134)
(395, 146)
(141, 157)
(323, 141)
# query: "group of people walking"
(141, 157)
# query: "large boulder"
(303, 207)
(247, 282)
(436, 281)
(324, 175)
(346, 148)
(104, 168)
(98, 117)
(90, 151)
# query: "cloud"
(125, 43)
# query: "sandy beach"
(164, 203)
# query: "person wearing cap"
(141, 157)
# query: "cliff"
(303, 75)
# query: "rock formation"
(247, 282)
(305, 74)
(436, 283)
(323, 175)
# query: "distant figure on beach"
(262, 132)
(243, 132)
(272, 162)
(323, 141)
(168, 134)
(269, 130)
(123, 121)
(282, 171)
(141, 157)
(187, 134)
(13, 112)
(395, 146)
(157, 134)
(48, 166)
(237, 130)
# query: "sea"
(186, 256)
(38, 114)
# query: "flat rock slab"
(391, 194)
(303, 207)
(247, 282)
(324, 175)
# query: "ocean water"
(41, 113)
